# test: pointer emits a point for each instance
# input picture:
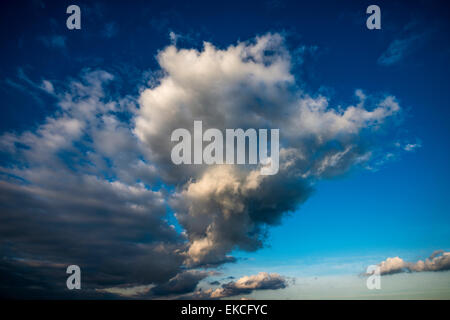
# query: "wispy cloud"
(409, 146)
(412, 146)
(25, 85)
(397, 50)
(409, 39)
(110, 30)
(53, 41)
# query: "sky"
(86, 176)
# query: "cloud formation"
(53, 41)
(181, 284)
(438, 261)
(91, 185)
(397, 50)
(75, 193)
(411, 38)
(244, 285)
(247, 284)
(248, 85)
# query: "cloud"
(53, 41)
(248, 85)
(438, 261)
(47, 86)
(397, 50)
(184, 282)
(412, 146)
(27, 86)
(91, 184)
(247, 284)
(110, 30)
(128, 292)
(244, 285)
(409, 146)
(77, 193)
(408, 40)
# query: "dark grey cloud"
(77, 194)
(182, 283)
(244, 285)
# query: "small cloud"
(412, 146)
(408, 146)
(397, 50)
(247, 284)
(360, 94)
(173, 37)
(110, 30)
(182, 283)
(54, 41)
(438, 261)
(409, 39)
(129, 292)
(177, 38)
(47, 86)
(25, 84)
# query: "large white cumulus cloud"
(248, 85)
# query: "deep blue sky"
(402, 207)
